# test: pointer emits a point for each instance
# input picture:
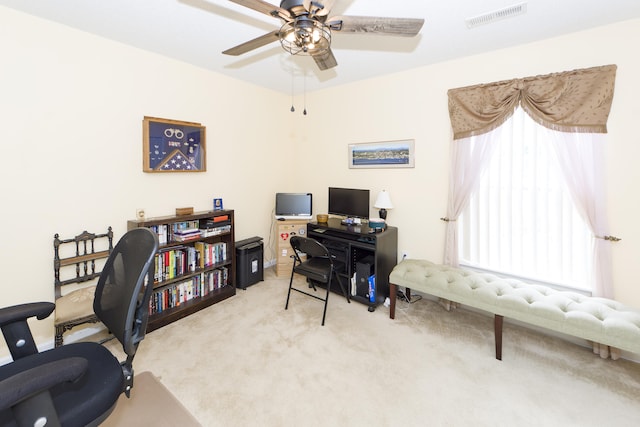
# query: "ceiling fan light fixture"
(304, 36)
(307, 28)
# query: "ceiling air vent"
(487, 18)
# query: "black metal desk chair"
(79, 384)
(318, 267)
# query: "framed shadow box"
(173, 146)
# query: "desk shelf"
(361, 250)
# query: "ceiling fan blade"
(264, 7)
(325, 60)
(407, 27)
(319, 7)
(254, 44)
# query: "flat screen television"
(294, 205)
(349, 202)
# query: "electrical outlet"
(405, 254)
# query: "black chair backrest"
(311, 247)
(127, 276)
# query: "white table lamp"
(383, 202)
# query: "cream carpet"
(247, 361)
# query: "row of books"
(175, 262)
(181, 227)
(210, 253)
(185, 231)
(181, 260)
(196, 287)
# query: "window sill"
(529, 280)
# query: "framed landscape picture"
(172, 146)
(390, 154)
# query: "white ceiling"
(197, 31)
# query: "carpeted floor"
(247, 361)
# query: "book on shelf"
(212, 223)
(183, 231)
(207, 232)
(187, 236)
(184, 225)
(221, 218)
(186, 231)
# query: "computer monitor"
(294, 205)
(349, 202)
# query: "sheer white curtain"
(469, 157)
(577, 101)
(580, 156)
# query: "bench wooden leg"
(393, 292)
(497, 325)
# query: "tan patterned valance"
(572, 101)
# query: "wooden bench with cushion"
(604, 322)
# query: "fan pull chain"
(293, 109)
(305, 94)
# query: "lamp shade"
(383, 201)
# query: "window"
(576, 105)
(522, 221)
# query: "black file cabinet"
(249, 262)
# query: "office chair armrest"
(13, 321)
(40, 310)
(27, 392)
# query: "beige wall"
(414, 105)
(71, 108)
(72, 105)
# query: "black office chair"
(318, 267)
(79, 384)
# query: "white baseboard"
(75, 336)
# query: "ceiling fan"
(307, 28)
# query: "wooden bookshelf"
(195, 264)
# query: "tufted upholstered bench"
(602, 321)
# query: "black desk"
(363, 253)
